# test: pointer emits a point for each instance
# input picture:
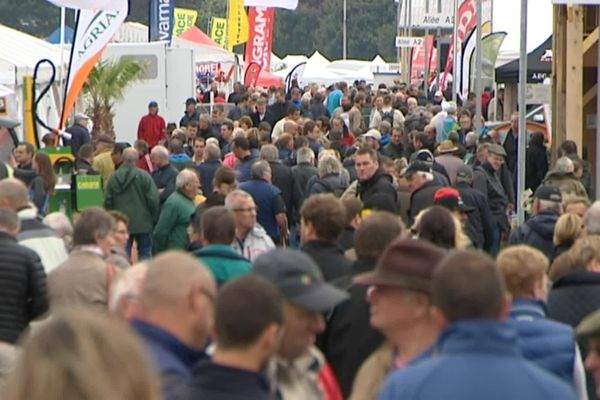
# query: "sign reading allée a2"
(260, 42)
(409, 41)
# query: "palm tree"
(106, 85)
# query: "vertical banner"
(260, 43)
(218, 31)
(237, 24)
(162, 15)
(184, 20)
(418, 59)
(252, 74)
(93, 31)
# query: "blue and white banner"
(162, 17)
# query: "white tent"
(379, 65)
(133, 32)
(20, 52)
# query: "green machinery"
(73, 191)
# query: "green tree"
(105, 85)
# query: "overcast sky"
(507, 18)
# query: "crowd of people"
(332, 243)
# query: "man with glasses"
(251, 240)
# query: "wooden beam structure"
(574, 78)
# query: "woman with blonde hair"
(575, 292)
(567, 230)
(79, 355)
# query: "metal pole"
(426, 64)
(345, 32)
(455, 63)
(478, 70)
(522, 139)
(438, 59)
(61, 84)
(398, 11)
(409, 81)
(597, 186)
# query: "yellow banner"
(237, 24)
(218, 31)
(184, 20)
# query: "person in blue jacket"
(549, 344)
(478, 356)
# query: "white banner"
(89, 4)
(93, 32)
(287, 4)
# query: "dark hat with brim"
(590, 326)
(407, 263)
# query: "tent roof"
(20, 52)
(538, 62)
(54, 37)
(196, 35)
(267, 79)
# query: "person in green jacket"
(218, 232)
(133, 192)
(170, 233)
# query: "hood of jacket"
(543, 224)
(124, 177)
(560, 175)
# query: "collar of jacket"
(27, 213)
(528, 309)
(322, 245)
(93, 249)
(7, 236)
(219, 250)
(310, 362)
(187, 355)
(482, 336)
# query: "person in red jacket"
(152, 126)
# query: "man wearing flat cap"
(297, 369)
(77, 134)
(538, 231)
(487, 181)
(399, 296)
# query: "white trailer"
(169, 79)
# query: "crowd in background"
(316, 243)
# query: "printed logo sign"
(258, 48)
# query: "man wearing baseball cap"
(399, 296)
(152, 126)
(538, 231)
(297, 368)
(372, 138)
(190, 114)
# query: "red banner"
(260, 42)
(418, 59)
(252, 74)
(467, 21)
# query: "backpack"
(388, 116)
(338, 192)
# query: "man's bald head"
(13, 194)
(170, 278)
(130, 156)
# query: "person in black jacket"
(236, 370)
(485, 179)
(77, 134)
(282, 178)
(575, 292)
(165, 174)
(323, 218)
(304, 169)
(279, 109)
(22, 281)
(348, 325)
(422, 186)
(480, 225)
(263, 114)
(538, 231)
(537, 161)
(372, 179)
(208, 168)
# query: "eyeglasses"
(249, 209)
